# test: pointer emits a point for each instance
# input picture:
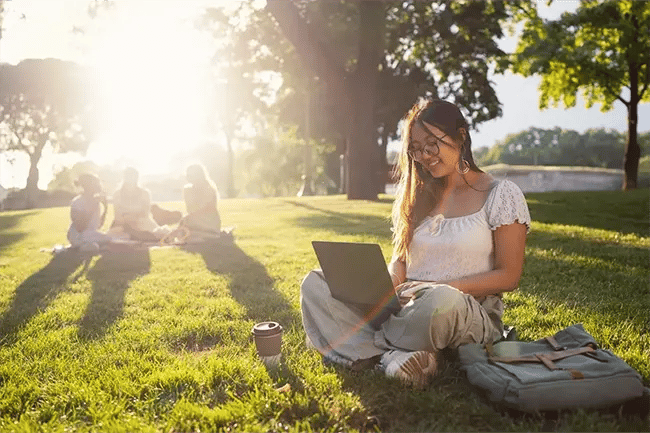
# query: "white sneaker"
(413, 368)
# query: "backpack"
(562, 372)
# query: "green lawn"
(160, 340)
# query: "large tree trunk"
(363, 151)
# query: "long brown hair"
(418, 191)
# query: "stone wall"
(535, 178)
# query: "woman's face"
(436, 151)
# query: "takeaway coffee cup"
(268, 340)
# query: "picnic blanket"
(176, 238)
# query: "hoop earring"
(465, 168)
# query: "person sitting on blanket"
(200, 194)
(132, 206)
(87, 215)
(458, 244)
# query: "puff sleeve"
(508, 206)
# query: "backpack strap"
(544, 358)
(553, 343)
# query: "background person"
(132, 207)
(458, 242)
(201, 196)
(87, 215)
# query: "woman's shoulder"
(507, 187)
(507, 204)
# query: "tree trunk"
(31, 189)
(363, 151)
(230, 184)
(305, 189)
(382, 175)
(632, 149)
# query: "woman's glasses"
(429, 150)
(432, 148)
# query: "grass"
(160, 340)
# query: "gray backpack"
(565, 371)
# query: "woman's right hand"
(408, 290)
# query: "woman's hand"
(397, 271)
(408, 290)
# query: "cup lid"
(267, 328)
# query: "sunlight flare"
(154, 89)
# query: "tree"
(602, 50)
(452, 42)
(363, 53)
(272, 167)
(235, 81)
(42, 103)
(535, 146)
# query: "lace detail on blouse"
(507, 206)
(444, 249)
(449, 248)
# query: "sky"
(148, 39)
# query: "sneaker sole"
(418, 369)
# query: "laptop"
(356, 274)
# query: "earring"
(465, 168)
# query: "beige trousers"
(439, 316)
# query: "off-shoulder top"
(444, 249)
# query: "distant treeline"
(594, 148)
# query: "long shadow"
(343, 223)
(8, 221)
(618, 255)
(250, 283)
(626, 212)
(563, 280)
(111, 276)
(37, 291)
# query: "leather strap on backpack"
(544, 358)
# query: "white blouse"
(449, 248)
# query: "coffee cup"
(268, 341)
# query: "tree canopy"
(367, 62)
(596, 147)
(602, 51)
(43, 101)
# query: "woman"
(87, 215)
(132, 205)
(200, 195)
(458, 244)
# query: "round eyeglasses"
(428, 150)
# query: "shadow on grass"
(343, 223)
(8, 221)
(609, 252)
(37, 291)
(615, 295)
(621, 211)
(111, 276)
(250, 283)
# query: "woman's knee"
(443, 299)
(313, 282)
